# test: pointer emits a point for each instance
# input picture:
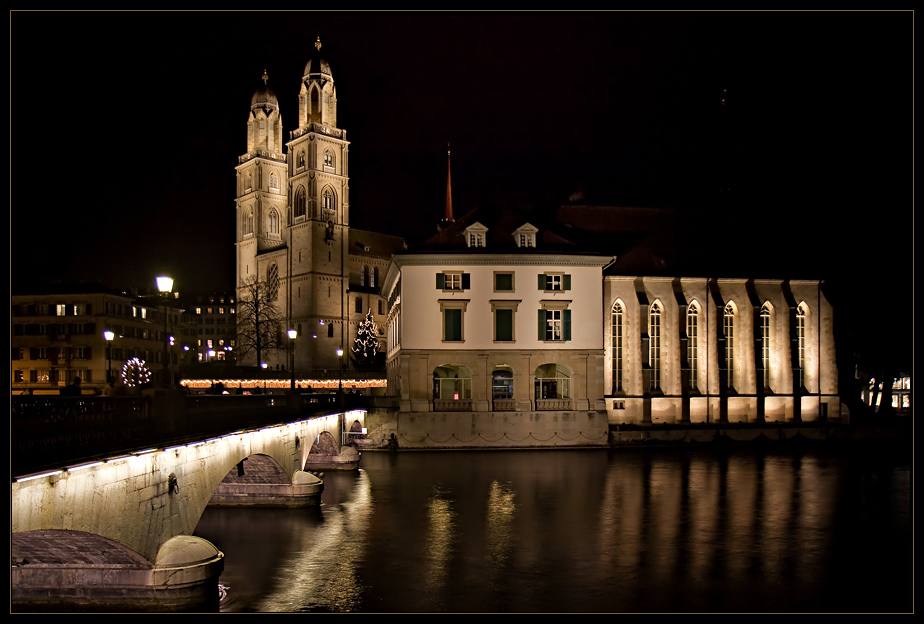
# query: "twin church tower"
(293, 222)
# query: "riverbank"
(750, 433)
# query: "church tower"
(319, 222)
(293, 220)
(261, 201)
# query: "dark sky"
(126, 127)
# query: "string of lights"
(283, 384)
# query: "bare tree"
(258, 320)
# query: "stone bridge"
(117, 533)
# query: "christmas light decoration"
(135, 373)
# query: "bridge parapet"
(50, 431)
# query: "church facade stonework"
(293, 234)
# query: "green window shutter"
(503, 325)
(440, 281)
(566, 282)
(453, 323)
(542, 285)
(566, 321)
(542, 323)
(503, 281)
(466, 281)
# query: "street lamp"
(108, 335)
(165, 286)
(292, 335)
(340, 356)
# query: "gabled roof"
(374, 244)
(502, 223)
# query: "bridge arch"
(143, 500)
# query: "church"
(293, 234)
(523, 326)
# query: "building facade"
(524, 329)
(57, 337)
(293, 228)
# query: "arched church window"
(274, 181)
(247, 225)
(364, 276)
(272, 222)
(328, 158)
(729, 317)
(300, 159)
(765, 342)
(654, 335)
(315, 102)
(300, 202)
(616, 345)
(692, 346)
(272, 282)
(375, 277)
(328, 205)
(801, 312)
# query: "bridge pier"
(74, 570)
(258, 481)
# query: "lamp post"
(165, 286)
(292, 335)
(263, 366)
(108, 335)
(340, 356)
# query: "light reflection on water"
(582, 531)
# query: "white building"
(535, 330)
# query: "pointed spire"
(265, 77)
(447, 218)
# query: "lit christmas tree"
(366, 344)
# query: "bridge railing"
(50, 432)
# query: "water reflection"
(315, 552)
(584, 531)
(440, 536)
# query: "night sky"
(126, 127)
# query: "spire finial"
(265, 77)
(317, 44)
(448, 216)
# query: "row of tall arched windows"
(618, 338)
(248, 181)
(272, 221)
(369, 277)
(329, 161)
(328, 203)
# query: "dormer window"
(475, 235)
(525, 236)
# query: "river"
(625, 530)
